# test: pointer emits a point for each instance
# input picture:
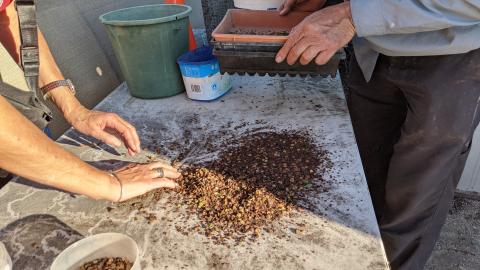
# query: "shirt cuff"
(368, 17)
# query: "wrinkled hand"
(319, 36)
(301, 5)
(138, 179)
(107, 127)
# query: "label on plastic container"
(207, 88)
(199, 71)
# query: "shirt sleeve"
(4, 4)
(382, 17)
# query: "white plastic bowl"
(258, 4)
(5, 260)
(98, 246)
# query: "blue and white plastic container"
(201, 75)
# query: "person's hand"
(138, 179)
(319, 36)
(107, 127)
(301, 5)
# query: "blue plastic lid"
(200, 56)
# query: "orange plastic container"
(256, 26)
(192, 42)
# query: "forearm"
(27, 152)
(382, 17)
(49, 70)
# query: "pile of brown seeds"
(228, 207)
(108, 264)
(256, 178)
(254, 181)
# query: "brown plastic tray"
(256, 26)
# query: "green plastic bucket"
(147, 40)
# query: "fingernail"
(278, 59)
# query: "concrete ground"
(459, 244)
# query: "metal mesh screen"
(213, 12)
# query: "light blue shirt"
(413, 28)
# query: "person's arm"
(96, 124)
(324, 32)
(27, 152)
(319, 36)
(382, 17)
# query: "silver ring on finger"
(160, 172)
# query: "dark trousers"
(414, 123)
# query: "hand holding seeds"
(319, 36)
(137, 179)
